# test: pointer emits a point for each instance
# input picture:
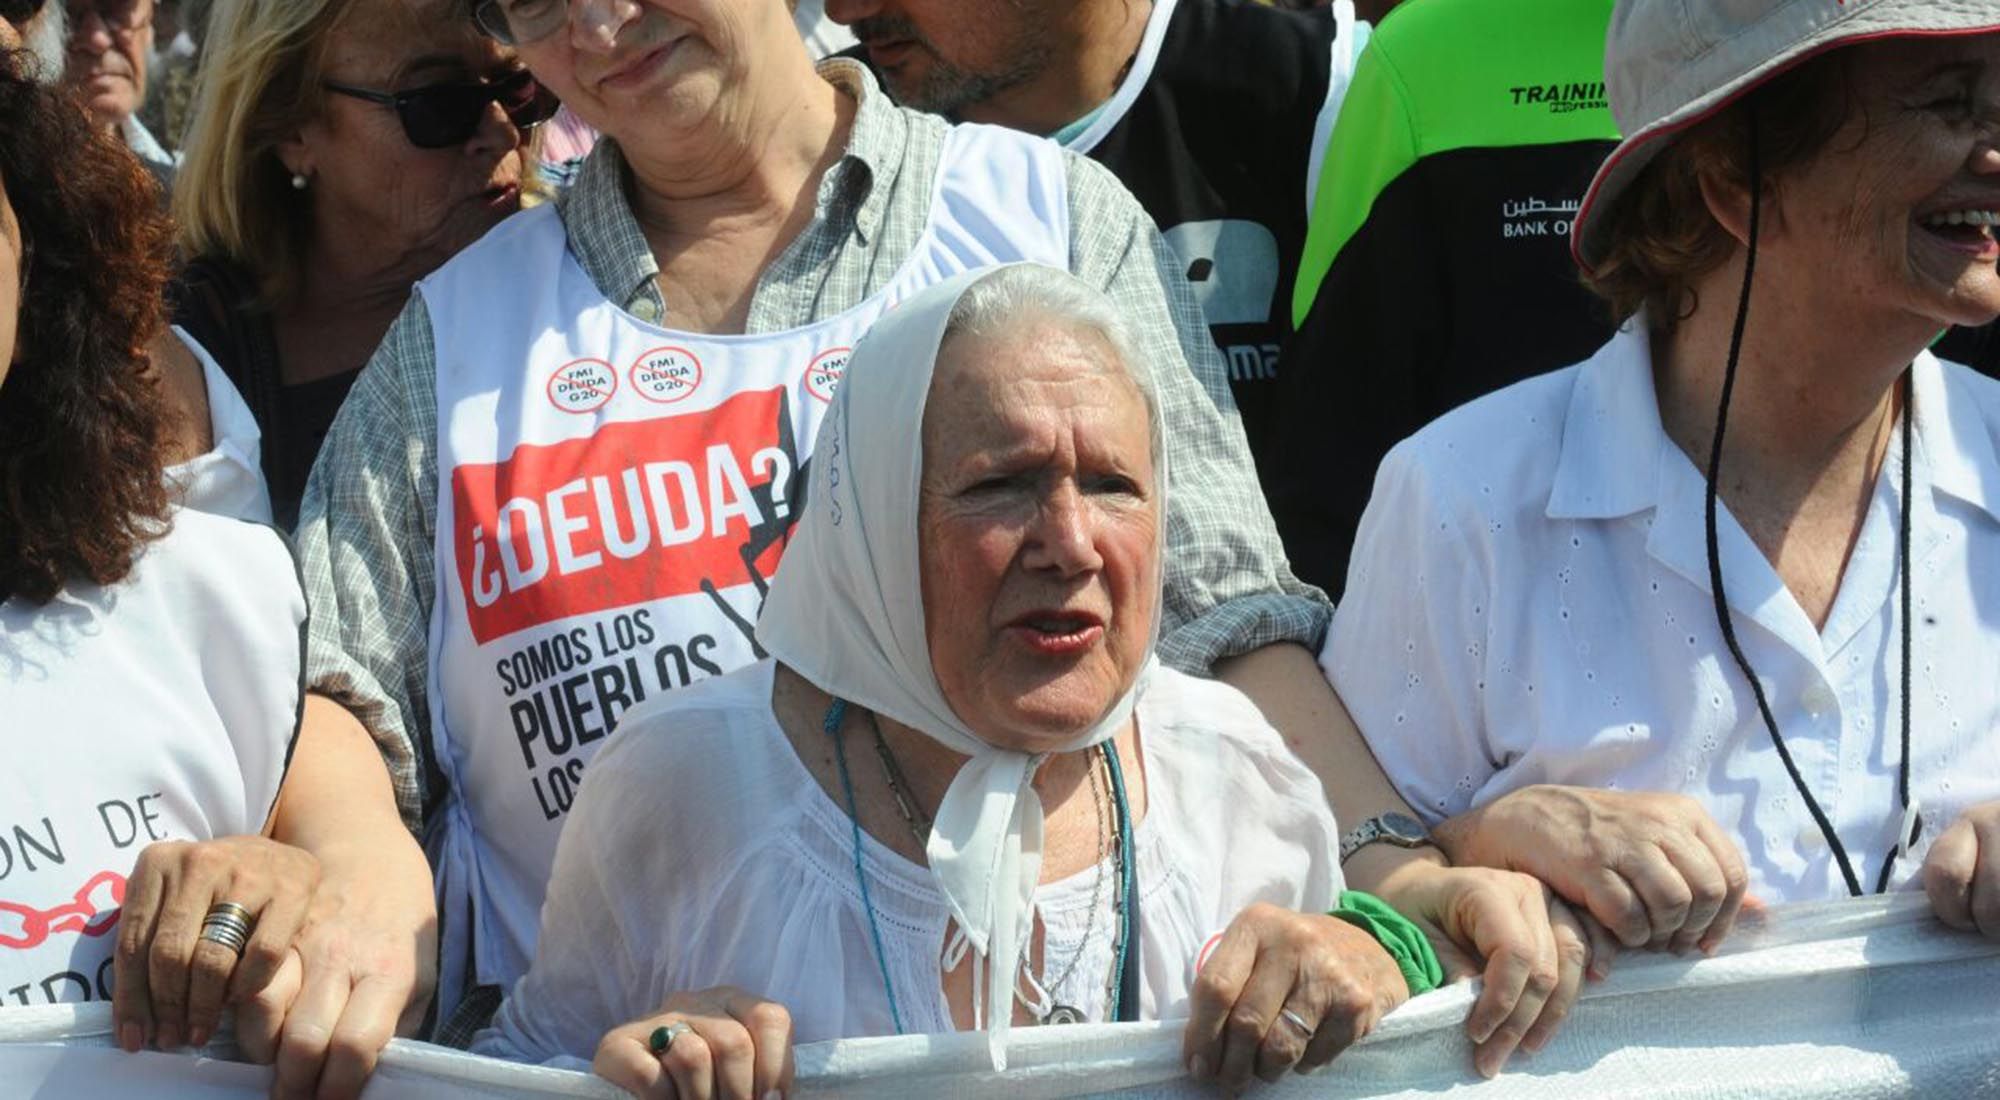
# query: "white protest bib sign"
(613, 500)
(159, 708)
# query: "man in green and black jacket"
(1436, 266)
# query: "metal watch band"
(1410, 835)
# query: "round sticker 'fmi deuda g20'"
(582, 385)
(823, 373)
(666, 374)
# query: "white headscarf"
(846, 613)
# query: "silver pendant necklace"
(1059, 1013)
(919, 825)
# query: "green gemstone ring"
(663, 1037)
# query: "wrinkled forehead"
(984, 375)
(1916, 54)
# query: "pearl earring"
(299, 181)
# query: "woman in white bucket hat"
(1716, 613)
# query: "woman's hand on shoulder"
(1654, 869)
(170, 984)
(1510, 929)
(715, 1044)
(1285, 990)
(1962, 872)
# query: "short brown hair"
(1663, 238)
(81, 416)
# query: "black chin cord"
(1722, 615)
(1907, 833)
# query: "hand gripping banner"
(1845, 1000)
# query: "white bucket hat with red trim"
(1669, 64)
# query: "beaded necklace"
(919, 825)
(1122, 985)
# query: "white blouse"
(702, 853)
(229, 479)
(1529, 602)
(163, 707)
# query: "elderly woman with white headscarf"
(562, 487)
(962, 794)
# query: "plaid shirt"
(366, 525)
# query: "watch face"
(1405, 828)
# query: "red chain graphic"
(24, 928)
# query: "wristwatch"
(1402, 830)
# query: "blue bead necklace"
(1125, 999)
(834, 715)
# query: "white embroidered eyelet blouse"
(1528, 602)
(702, 853)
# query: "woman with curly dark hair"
(80, 435)
(150, 655)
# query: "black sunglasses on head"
(439, 116)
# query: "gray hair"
(1002, 300)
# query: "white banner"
(1843, 1001)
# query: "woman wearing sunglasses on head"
(340, 151)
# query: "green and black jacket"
(1436, 266)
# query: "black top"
(1216, 147)
(1978, 348)
(216, 302)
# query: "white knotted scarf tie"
(847, 614)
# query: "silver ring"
(228, 924)
(1296, 1021)
(662, 1039)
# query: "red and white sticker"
(582, 385)
(635, 511)
(823, 373)
(666, 374)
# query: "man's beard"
(945, 88)
(47, 42)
